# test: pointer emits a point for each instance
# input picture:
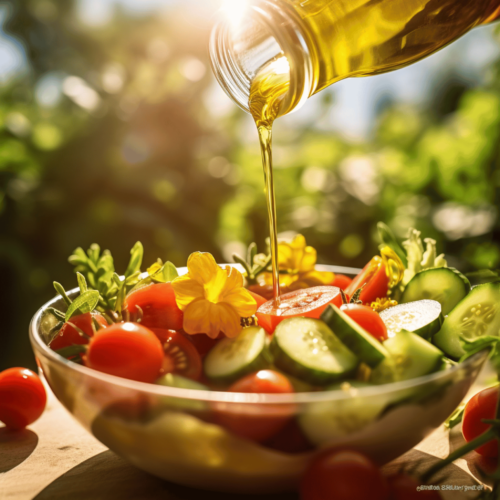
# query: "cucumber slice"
(476, 315)
(173, 380)
(410, 356)
(444, 284)
(307, 349)
(367, 348)
(422, 317)
(231, 359)
(325, 421)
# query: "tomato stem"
(489, 435)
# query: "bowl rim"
(236, 397)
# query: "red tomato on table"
(309, 302)
(22, 397)
(127, 350)
(68, 335)
(252, 421)
(367, 319)
(481, 406)
(375, 279)
(181, 356)
(158, 306)
(343, 475)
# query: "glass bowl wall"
(183, 435)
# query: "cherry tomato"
(375, 279)
(68, 335)
(203, 343)
(342, 281)
(158, 306)
(309, 302)
(366, 318)
(404, 487)
(22, 397)
(343, 475)
(259, 298)
(481, 406)
(181, 356)
(265, 291)
(127, 350)
(255, 422)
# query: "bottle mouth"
(249, 36)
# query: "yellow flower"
(296, 263)
(213, 299)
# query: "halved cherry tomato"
(257, 423)
(375, 279)
(265, 291)
(158, 306)
(343, 475)
(309, 302)
(342, 281)
(366, 318)
(22, 397)
(481, 406)
(127, 350)
(68, 335)
(181, 356)
(404, 487)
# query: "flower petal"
(202, 267)
(186, 290)
(308, 261)
(215, 287)
(198, 319)
(241, 301)
(230, 321)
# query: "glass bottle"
(326, 41)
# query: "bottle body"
(326, 41)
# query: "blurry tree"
(113, 135)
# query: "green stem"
(460, 452)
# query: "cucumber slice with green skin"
(307, 349)
(366, 347)
(446, 285)
(325, 421)
(476, 315)
(410, 356)
(422, 317)
(231, 359)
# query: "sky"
(355, 99)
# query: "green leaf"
(166, 274)
(84, 303)
(135, 263)
(82, 283)
(62, 292)
(58, 314)
(456, 417)
(71, 351)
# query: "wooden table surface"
(57, 459)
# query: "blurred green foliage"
(112, 135)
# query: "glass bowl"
(184, 436)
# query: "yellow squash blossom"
(296, 263)
(213, 299)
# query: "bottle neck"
(244, 41)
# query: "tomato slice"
(158, 306)
(375, 279)
(258, 298)
(309, 302)
(181, 356)
(368, 319)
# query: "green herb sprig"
(254, 264)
